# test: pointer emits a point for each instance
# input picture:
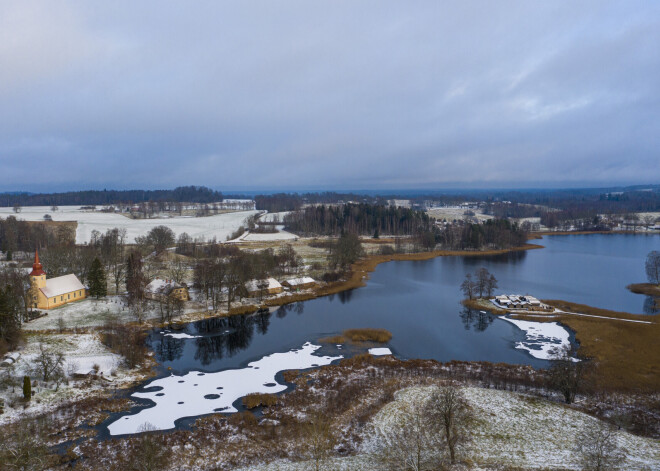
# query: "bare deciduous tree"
(49, 364)
(597, 447)
(452, 414)
(319, 439)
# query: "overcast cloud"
(338, 94)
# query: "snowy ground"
(197, 393)
(86, 313)
(82, 352)
(512, 431)
(259, 237)
(219, 226)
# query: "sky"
(328, 94)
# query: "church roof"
(37, 269)
(62, 285)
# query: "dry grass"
(360, 335)
(626, 353)
(645, 288)
(368, 335)
(259, 399)
(483, 305)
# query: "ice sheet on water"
(196, 393)
(542, 339)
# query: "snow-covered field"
(543, 340)
(197, 393)
(511, 431)
(82, 352)
(86, 313)
(219, 226)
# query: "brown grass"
(360, 335)
(626, 353)
(483, 305)
(334, 339)
(368, 335)
(648, 289)
(259, 399)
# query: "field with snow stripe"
(219, 225)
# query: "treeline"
(294, 201)
(361, 219)
(492, 234)
(17, 235)
(192, 194)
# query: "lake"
(419, 302)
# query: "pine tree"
(97, 283)
(27, 388)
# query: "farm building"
(304, 282)
(267, 286)
(158, 289)
(47, 294)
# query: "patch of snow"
(543, 339)
(180, 335)
(380, 351)
(197, 393)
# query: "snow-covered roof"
(162, 286)
(301, 281)
(61, 285)
(256, 285)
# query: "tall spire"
(37, 269)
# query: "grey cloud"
(328, 94)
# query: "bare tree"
(468, 286)
(411, 443)
(149, 454)
(653, 267)
(453, 415)
(567, 374)
(49, 364)
(24, 449)
(177, 270)
(597, 447)
(319, 440)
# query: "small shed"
(304, 282)
(267, 286)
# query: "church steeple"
(37, 269)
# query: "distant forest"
(188, 194)
(361, 219)
(574, 203)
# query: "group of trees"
(194, 194)
(224, 277)
(18, 235)
(482, 283)
(491, 234)
(361, 219)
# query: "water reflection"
(477, 320)
(651, 305)
(168, 348)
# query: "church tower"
(37, 275)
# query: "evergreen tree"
(27, 388)
(97, 284)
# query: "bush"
(259, 399)
(27, 388)
(331, 276)
(368, 335)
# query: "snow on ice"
(197, 393)
(543, 339)
(380, 351)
